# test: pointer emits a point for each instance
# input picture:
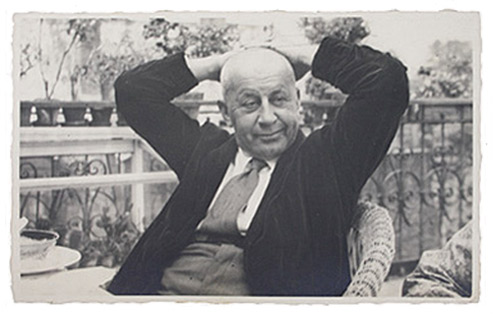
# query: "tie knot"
(256, 164)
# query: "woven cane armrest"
(371, 250)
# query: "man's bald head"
(262, 102)
(255, 64)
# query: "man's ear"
(224, 111)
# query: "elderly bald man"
(261, 101)
(266, 210)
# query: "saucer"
(57, 258)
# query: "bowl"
(36, 243)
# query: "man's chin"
(267, 148)
(270, 151)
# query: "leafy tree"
(351, 29)
(196, 41)
(170, 37)
(78, 31)
(103, 66)
(448, 73)
(29, 57)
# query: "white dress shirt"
(235, 168)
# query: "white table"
(81, 284)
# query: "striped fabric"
(370, 249)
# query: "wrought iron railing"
(92, 186)
(425, 180)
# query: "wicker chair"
(370, 249)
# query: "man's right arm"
(143, 96)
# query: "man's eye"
(278, 100)
(250, 105)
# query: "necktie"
(221, 217)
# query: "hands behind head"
(300, 56)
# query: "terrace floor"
(391, 287)
(84, 284)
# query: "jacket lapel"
(283, 166)
(214, 168)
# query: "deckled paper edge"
(15, 150)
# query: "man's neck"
(245, 156)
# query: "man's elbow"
(123, 84)
(397, 71)
(125, 91)
(395, 81)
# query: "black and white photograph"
(246, 156)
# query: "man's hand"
(300, 57)
(208, 68)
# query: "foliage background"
(74, 51)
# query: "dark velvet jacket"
(296, 244)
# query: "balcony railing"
(426, 179)
(87, 172)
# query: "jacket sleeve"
(378, 94)
(143, 96)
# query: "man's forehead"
(254, 89)
(256, 62)
(256, 66)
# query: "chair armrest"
(371, 248)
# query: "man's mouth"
(270, 135)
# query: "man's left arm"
(378, 91)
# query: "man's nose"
(267, 114)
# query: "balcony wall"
(88, 176)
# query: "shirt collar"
(242, 159)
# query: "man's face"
(263, 107)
